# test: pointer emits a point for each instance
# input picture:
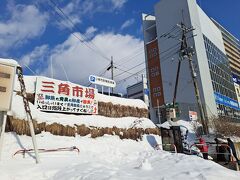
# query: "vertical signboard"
(60, 96)
(7, 74)
(154, 74)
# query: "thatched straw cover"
(21, 127)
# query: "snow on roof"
(188, 124)
(11, 62)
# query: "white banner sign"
(61, 96)
(102, 81)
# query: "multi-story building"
(162, 34)
(139, 90)
(232, 48)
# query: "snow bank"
(107, 157)
(18, 112)
(122, 101)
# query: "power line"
(127, 71)
(169, 32)
(100, 74)
(172, 48)
(167, 35)
(29, 69)
(162, 59)
(131, 58)
(130, 76)
(84, 38)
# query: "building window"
(221, 76)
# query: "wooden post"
(3, 120)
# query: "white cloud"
(26, 22)
(127, 23)
(78, 9)
(71, 11)
(117, 4)
(79, 61)
(90, 32)
(36, 56)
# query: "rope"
(23, 92)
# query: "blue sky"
(34, 33)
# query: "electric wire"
(163, 58)
(118, 82)
(83, 39)
(129, 69)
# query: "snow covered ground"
(106, 157)
(18, 112)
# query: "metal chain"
(23, 92)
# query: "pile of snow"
(122, 101)
(106, 157)
(18, 112)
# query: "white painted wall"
(202, 24)
(210, 30)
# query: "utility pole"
(187, 52)
(183, 46)
(111, 67)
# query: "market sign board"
(102, 81)
(66, 97)
(7, 74)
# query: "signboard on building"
(7, 75)
(154, 74)
(236, 79)
(102, 81)
(224, 100)
(60, 96)
(193, 115)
